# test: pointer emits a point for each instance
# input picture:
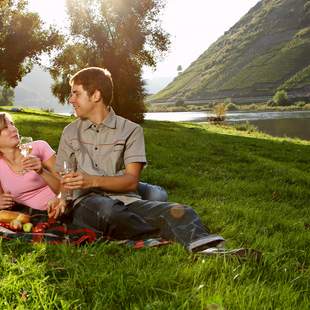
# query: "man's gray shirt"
(102, 150)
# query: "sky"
(193, 26)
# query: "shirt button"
(96, 165)
(96, 148)
(97, 131)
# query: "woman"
(32, 181)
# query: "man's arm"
(122, 184)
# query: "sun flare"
(52, 12)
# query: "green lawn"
(250, 188)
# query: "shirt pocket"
(75, 144)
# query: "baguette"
(8, 216)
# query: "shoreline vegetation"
(257, 107)
(247, 186)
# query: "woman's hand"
(56, 207)
(6, 201)
(32, 162)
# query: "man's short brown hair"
(95, 78)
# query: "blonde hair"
(3, 117)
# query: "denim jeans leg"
(152, 192)
(175, 221)
(110, 217)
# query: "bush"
(220, 110)
(300, 104)
(232, 107)
(270, 103)
(48, 110)
(280, 97)
(228, 100)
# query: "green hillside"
(268, 49)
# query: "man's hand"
(6, 201)
(76, 180)
(32, 162)
(56, 207)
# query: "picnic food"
(9, 216)
(27, 227)
(16, 225)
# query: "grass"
(248, 187)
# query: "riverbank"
(294, 124)
(261, 107)
(248, 187)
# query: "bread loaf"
(8, 216)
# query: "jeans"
(115, 220)
(152, 192)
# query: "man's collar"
(109, 121)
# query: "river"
(295, 124)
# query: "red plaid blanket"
(55, 232)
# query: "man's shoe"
(206, 242)
(241, 252)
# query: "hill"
(155, 84)
(35, 91)
(268, 49)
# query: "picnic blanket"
(56, 232)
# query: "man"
(109, 154)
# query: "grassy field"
(250, 188)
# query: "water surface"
(295, 124)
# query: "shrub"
(228, 100)
(232, 107)
(48, 110)
(270, 103)
(280, 97)
(220, 110)
(300, 104)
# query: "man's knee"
(178, 211)
(152, 192)
(97, 209)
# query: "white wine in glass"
(67, 168)
(25, 146)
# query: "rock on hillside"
(268, 49)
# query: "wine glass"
(67, 168)
(25, 146)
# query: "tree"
(179, 69)
(22, 40)
(6, 95)
(120, 35)
(280, 97)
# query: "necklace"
(14, 165)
